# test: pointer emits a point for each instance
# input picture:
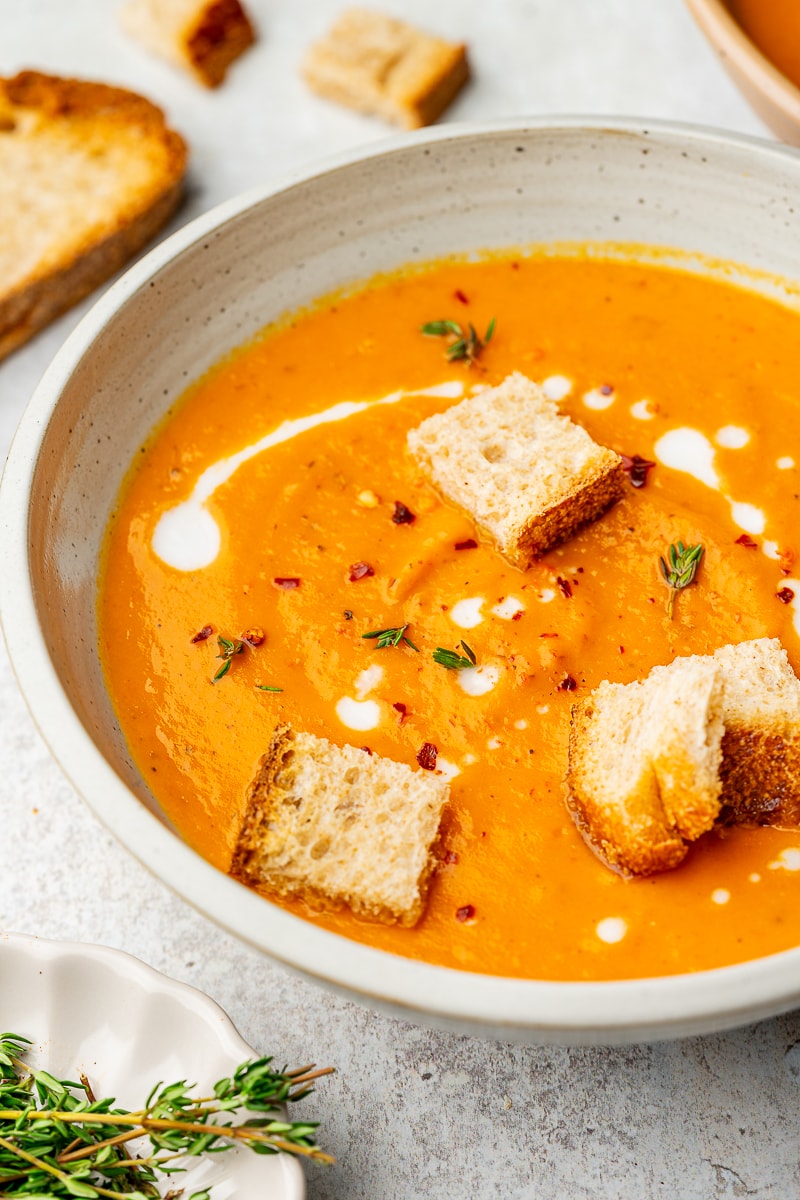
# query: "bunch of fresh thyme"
(57, 1139)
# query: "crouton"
(203, 36)
(527, 475)
(336, 826)
(89, 174)
(643, 770)
(761, 747)
(386, 68)
(710, 739)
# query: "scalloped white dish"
(102, 1012)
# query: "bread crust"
(62, 115)
(585, 503)
(203, 36)
(760, 778)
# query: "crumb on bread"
(90, 174)
(527, 475)
(387, 68)
(336, 826)
(203, 36)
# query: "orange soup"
(268, 500)
(774, 26)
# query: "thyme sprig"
(683, 564)
(57, 1139)
(464, 345)
(229, 648)
(453, 661)
(391, 637)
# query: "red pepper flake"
(564, 584)
(469, 544)
(367, 750)
(360, 570)
(548, 635)
(517, 616)
(402, 515)
(402, 710)
(426, 756)
(567, 684)
(622, 649)
(636, 468)
(253, 636)
(465, 913)
(288, 583)
(747, 541)
(785, 595)
(204, 633)
(459, 295)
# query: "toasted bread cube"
(386, 68)
(644, 758)
(89, 174)
(204, 36)
(336, 826)
(527, 475)
(709, 739)
(761, 747)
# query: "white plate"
(98, 1011)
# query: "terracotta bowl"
(770, 94)
(213, 285)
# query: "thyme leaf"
(453, 661)
(391, 637)
(681, 570)
(229, 647)
(464, 345)
(264, 687)
(57, 1139)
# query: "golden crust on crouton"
(204, 36)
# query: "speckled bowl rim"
(531, 1010)
(731, 42)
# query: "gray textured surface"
(411, 1113)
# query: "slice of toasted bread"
(761, 747)
(385, 67)
(527, 475)
(643, 768)
(336, 826)
(88, 174)
(204, 36)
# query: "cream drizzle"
(188, 538)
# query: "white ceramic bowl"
(212, 286)
(126, 1027)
